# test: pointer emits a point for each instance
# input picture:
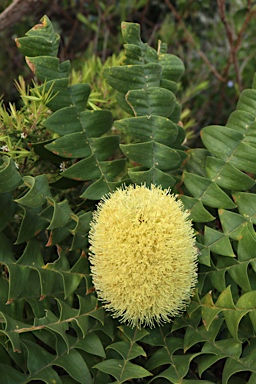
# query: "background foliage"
(61, 151)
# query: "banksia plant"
(143, 255)
(68, 264)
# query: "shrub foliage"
(53, 329)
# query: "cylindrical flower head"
(143, 256)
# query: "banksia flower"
(143, 256)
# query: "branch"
(16, 10)
(233, 47)
(191, 40)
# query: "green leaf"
(227, 175)
(246, 203)
(197, 212)
(244, 364)
(7, 209)
(150, 154)
(74, 145)
(221, 142)
(246, 245)
(153, 175)
(133, 334)
(247, 101)
(201, 334)
(32, 224)
(227, 144)
(64, 121)
(232, 223)
(10, 375)
(133, 77)
(75, 366)
(209, 311)
(131, 33)
(145, 128)
(152, 101)
(61, 214)
(172, 67)
(37, 193)
(241, 121)
(40, 40)
(91, 344)
(207, 191)
(10, 330)
(96, 123)
(178, 369)
(49, 68)
(79, 94)
(164, 355)
(125, 78)
(10, 178)
(218, 242)
(122, 370)
(220, 349)
(233, 314)
(127, 350)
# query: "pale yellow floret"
(143, 256)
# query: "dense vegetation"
(81, 131)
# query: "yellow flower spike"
(143, 255)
